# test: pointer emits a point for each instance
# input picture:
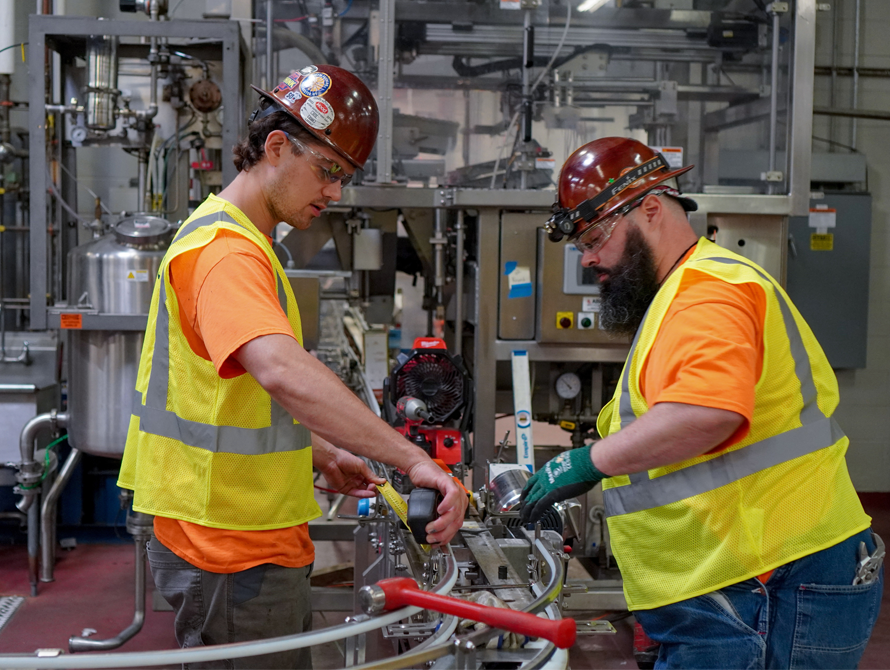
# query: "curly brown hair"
(250, 151)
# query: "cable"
(13, 46)
(46, 463)
(837, 144)
(348, 7)
(494, 170)
(85, 187)
(565, 31)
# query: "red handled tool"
(390, 594)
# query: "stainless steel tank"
(114, 274)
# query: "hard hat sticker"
(317, 113)
(288, 82)
(309, 69)
(292, 97)
(315, 84)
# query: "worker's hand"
(427, 474)
(569, 475)
(349, 474)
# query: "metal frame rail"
(54, 659)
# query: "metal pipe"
(835, 43)
(48, 516)
(228, 651)
(5, 133)
(139, 525)
(142, 189)
(438, 242)
(30, 474)
(528, 62)
(30, 471)
(33, 546)
(856, 39)
(459, 284)
(269, 26)
(774, 100)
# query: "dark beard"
(630, 288)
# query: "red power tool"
(428, 398)
(391, 594)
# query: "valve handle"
(402, 591)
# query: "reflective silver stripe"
(281, 435)
(816, 432)
(625, 409)
(709, 475)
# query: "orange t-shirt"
(228, 296)
(709, 350)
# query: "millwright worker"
(231, 413)
(740, 538)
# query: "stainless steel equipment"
(111, 275)
(101, 90)
(505, 489)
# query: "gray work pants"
(263, 602)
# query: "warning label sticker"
(822, 242)
(137, 275)
(72, 321)
(317, 113)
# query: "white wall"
(864, 412)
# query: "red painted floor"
(94, 588)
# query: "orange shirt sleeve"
(709, 349)
(228, 296)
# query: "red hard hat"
(602, 177)
(332, 104)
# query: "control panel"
(569, 297)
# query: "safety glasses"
(329, 172)
(594, 238)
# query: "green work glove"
(569, 475)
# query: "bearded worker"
(231, 413)
(740, 538)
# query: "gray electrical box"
(828, 268)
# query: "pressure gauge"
(78, 134)
(568, 385)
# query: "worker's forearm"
(666, 434)
(323, 452)
(317, 398)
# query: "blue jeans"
(808, 615)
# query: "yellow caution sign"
(822, 242)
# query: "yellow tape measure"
(394, 500)
(398, 504)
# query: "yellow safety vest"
(216, 452)
(781, 493)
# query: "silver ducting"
(113, 274)
(101, 90)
